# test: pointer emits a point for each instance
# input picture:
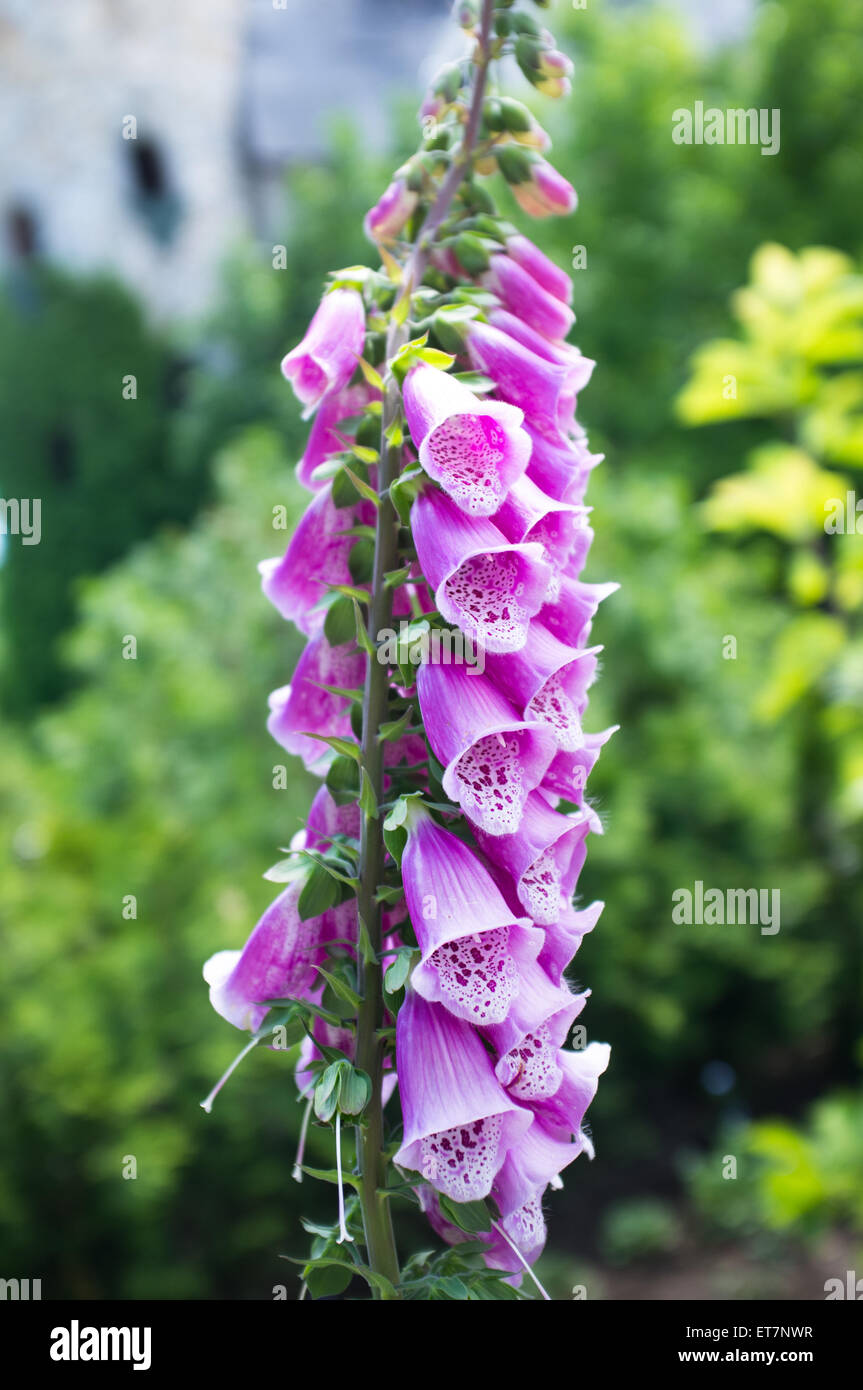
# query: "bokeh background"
(261, 126)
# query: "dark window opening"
(23, 233)
(155, 200)
(148, 168)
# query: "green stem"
(377, 1221)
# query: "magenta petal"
(526, 299)
(277, 962)
(389, 215)
(544, 857)
(528, 1041)
(472, 946)
(489, 588)
(561, 528)
(567, 355)
(564, 938)
(475, 449)
(540, 388)
(561, 467)
(303, 707)
(492, 758)
(570, 617)
(316, 558)
(537, 1158)
(326, 819)
(459, 1122)
(554, 280)
(326, 436)
(327, 357)
(563, 1113)
(548, 681)
(567, 776)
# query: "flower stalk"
(377, 1219)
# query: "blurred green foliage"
(638, 1229)
(155, 777)
(87, 390)
(792, 1181)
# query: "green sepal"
(364, 642)
(394, 729)
(404, 490)
(342, 781)
(361, 561)
(397, 973)
(368, 800)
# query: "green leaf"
(332, 863)
(452, 1288)
(388, 895)
(286, 870)
(329, 1175)
(320, 893)
(394, 828)
(326, 1099)
(329, 1280)
(394, 578)
(343, 746)
(361, 561)
(364, 489)
(340, 988)
(404, 489)
(365, 942)
(373, 377)
(476, 382)
(358, 595)
(355, 696)
(433, 357)
(473, 1217)
(401, 310)
(339, 622)
(472, 252)
(342, 781)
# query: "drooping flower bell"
(277, 962)
(473, 948)
(536, 185)
(316, 558)
(459, 1122)
(326, 359)
(540, 267)
(475, 449)
(306, 707)
(544, 856)
(492, 756)
(394, 208)
(527, 299)
(486, 586)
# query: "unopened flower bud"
(472, 253)
(389, 215)
(539, 189)
(466, 14)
